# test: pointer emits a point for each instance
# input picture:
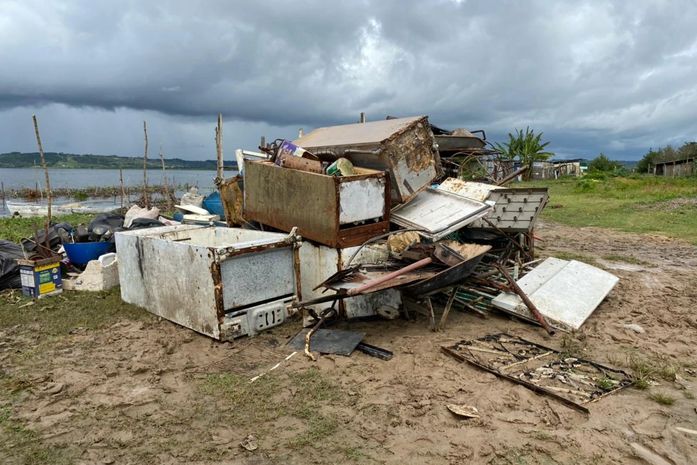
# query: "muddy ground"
(142, 391)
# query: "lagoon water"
(16, 178)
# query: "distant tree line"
(667, 153)
(69, 160)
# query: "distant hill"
(70, 160)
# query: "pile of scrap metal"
(352, 221)
(468, 156)
(384, 227)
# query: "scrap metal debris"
(569, 379)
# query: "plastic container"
(80, 253)
(214, 204)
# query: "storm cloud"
(617, 77)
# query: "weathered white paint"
(471, 190)
(169, 271)
(318, 262)
(438, 213)
(361, 200)
(565, 292)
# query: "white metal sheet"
(362, 199)
(318, 262)
(565, 292)
(437, 212)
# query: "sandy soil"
(152, 392)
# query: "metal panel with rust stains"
(284, 198)
(193, 275)
(403, 147)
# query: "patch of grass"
(319, 428)
(21, 445)
(542, 436)
(260, 403)
(632, 204)
(60, 314)
(356, 454)
(647, 369)
(662, 398)
(626, 259)
(666, 369)
(688, 395)
(15, 229)
(606, 384)
(643, 371)
(571, 347)
(250, 402)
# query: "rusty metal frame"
(532, 386)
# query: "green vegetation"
(15, 229)
(606, 384)
(262, 402)
(662, 398)
(640, 204)
(69, 160)
(625, 259)
(667, 153)
(51, 321)
(603, 164)
(60, 315)
(526, 146)
(25, 446)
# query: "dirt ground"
(145, 391)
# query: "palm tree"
(526, 146)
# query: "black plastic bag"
(9, 269)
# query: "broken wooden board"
(565, 292)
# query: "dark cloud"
(616, 77)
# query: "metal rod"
(377, 281)
(512, 176)
(528, 303)
(145, 167)
(374, 351)
(448, 306)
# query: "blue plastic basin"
(81, 253)
(214, 204)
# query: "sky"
(594, 76)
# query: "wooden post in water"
(43, 165)
(123, 193)
(168, 198)
(145, 167)
(219, 149)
